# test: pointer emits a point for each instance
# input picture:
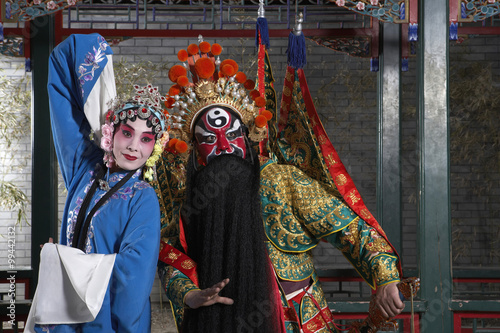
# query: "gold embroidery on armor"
(297, 210)
(290, 266)
(170, 272)
(338, 212)
(325, 228)
(309, 311)
(319, 296)
(178, 290)
(378, 244)
(363, 240)
(301, 178)
(385, 269)
(351, 239)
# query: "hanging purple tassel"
(374, 64)
(413, 32)
(453, 31)
(404, 65)
(262, 29)
(27, 65)
(296, 52)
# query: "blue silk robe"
(128, 224)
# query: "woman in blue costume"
(127, 222)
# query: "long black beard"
(225, 237)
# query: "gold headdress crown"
(213, 82)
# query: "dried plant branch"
(15, 126)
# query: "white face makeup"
(133, 143)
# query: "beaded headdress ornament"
(210, 82)
(146, 105)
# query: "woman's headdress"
(208, 82)
(146, 104)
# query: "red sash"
(175, 258)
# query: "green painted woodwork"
(389, 136)
(478, 305)
(354, 305)
(434, 247)
(44, 176)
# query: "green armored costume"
(306, 196)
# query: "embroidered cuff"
(178, 289)
(384, 268)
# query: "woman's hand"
(388, 301)
(51, 240)
(196, 298)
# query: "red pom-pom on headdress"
(169, 102)
(260, 102)
(175, 72)
(221, 87)
(231, 62)
(260, 121)
(192, 49)
(204, 67)
(182, 55)
(172, 142)
(205, 47)
(268, 114)
(181, 146)
(174, 90)
(254, 94)
(241, 77)
(216, 49)
(183, 81)
(249, 84)
(227, 70)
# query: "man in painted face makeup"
(241, 260)
(219, 132)
(224, 232)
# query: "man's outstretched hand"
(196, 298)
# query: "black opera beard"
(225, 237)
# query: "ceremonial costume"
(298, 210)
(127, 224)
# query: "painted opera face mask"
(133, 143)
(219, 131)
